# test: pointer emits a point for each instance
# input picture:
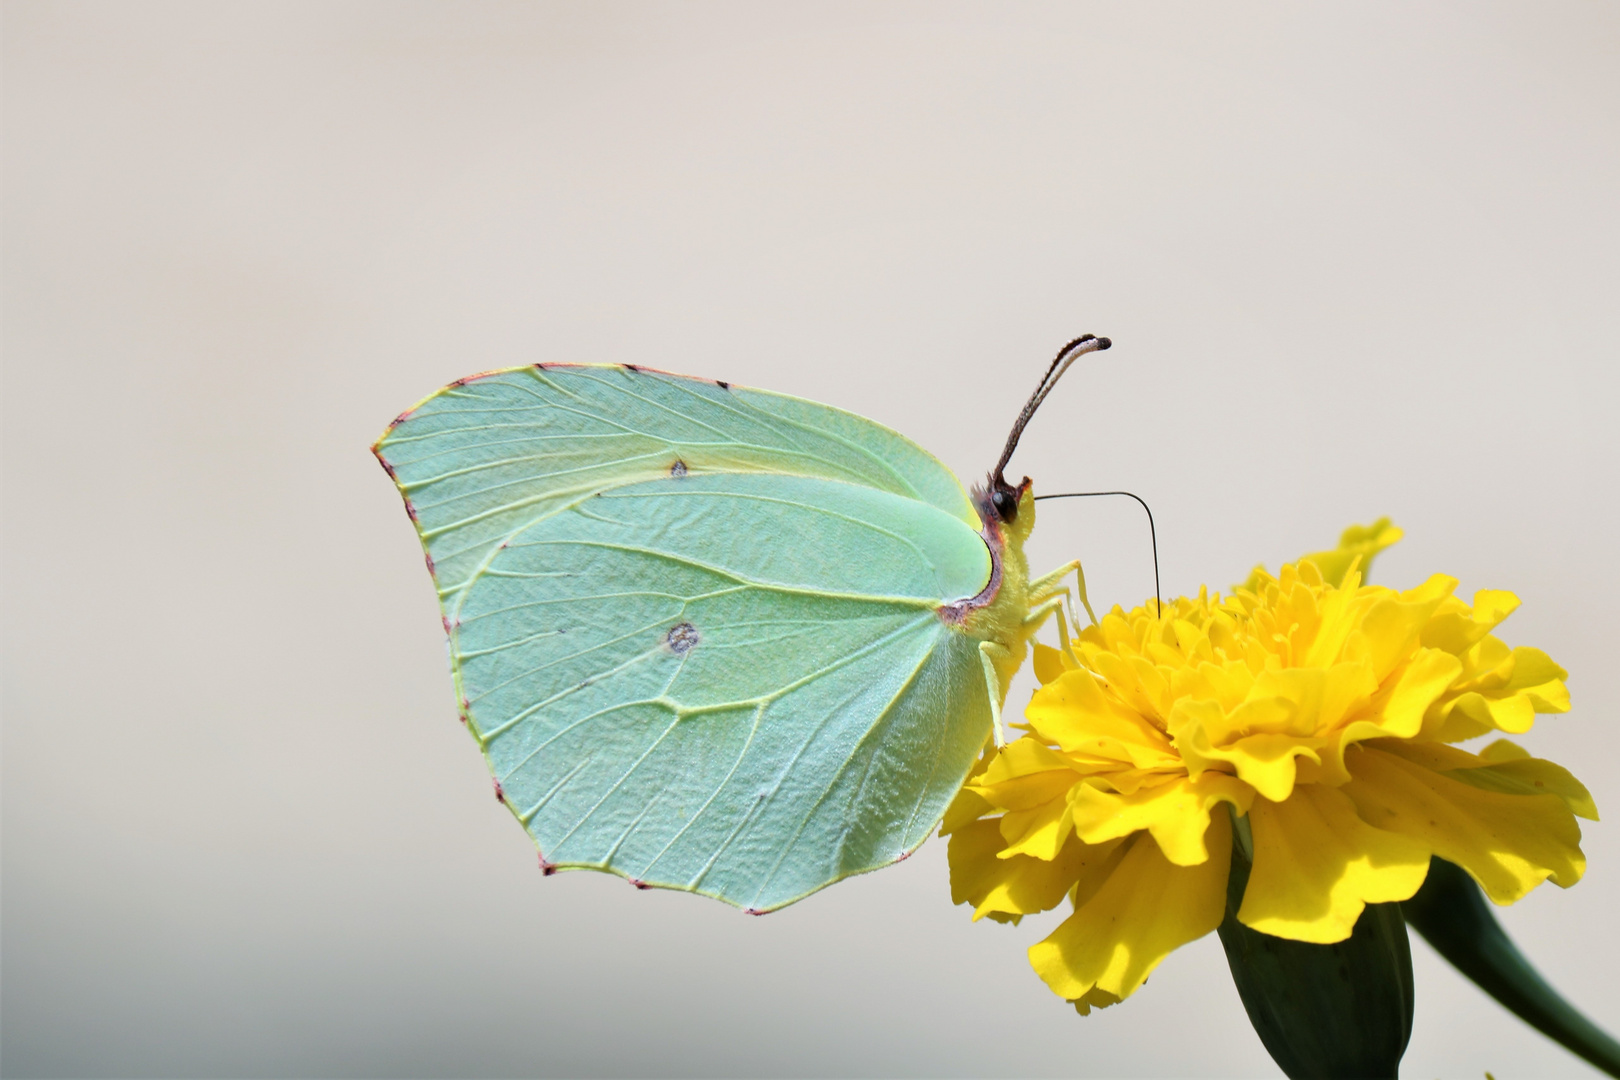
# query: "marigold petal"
(1024, 775)
(1503, 750)
(1147, 908)
(1456, 631)
(1130, 781)
(1429, 674)
(1125, 675)
(1073, 712)
(1095, 870)
(965, 808)
(972, 856)
(1503, 690)
(1509, 843)
(1019, 758)
(1398, 710)
(1094, 999)
(1394, 625)
(1501, 766)
(1268, 762)
(1316, 865)
(1177, 813)
(1538, 677)
(1017, 886)
(1048, 663)
(1039, 832)
(1264, 758)
(1533, 776)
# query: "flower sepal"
(1339, 1010)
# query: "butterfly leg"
(1043, 586)
(1053, 605)
(988, 651)
(1046, 581)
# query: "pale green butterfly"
(711, 638)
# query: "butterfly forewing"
(482, 459)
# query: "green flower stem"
(1452, 914)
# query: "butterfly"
(718, 639)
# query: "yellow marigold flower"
(1322, 712)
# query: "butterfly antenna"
(1074, 350)
(1153, 533)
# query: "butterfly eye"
(1006, 504)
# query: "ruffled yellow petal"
(1147, 908)
(1456, 627)
(1505, 696)
(1024, 775)
(1316, 865)
(1394, 625)
(1533, 776)
(1094, 999)
(1020, 885)
(1503, 750)
(1420, 684)
(1509, 843)
(1176, 811)
(1269, 763)
(967, 807)
(1397, 710)
(1048, 663)
(1038, 832)
(1501, 766)
(1074, 713)
(968, 804)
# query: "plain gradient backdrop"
(1356, 259)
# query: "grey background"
(1357, 259)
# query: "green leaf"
(1341, 1010)
(1452, 915)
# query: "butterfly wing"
(485, 456)
(731, 679)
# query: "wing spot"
(678, 469)
(681, 638)
(546, 868)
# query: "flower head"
(1308, 717)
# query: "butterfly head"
(1009, 506)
